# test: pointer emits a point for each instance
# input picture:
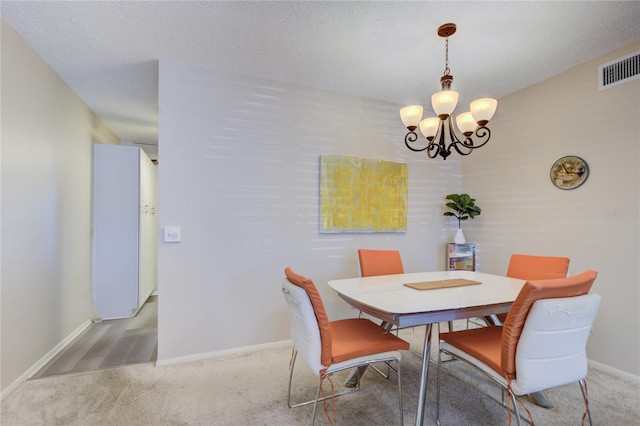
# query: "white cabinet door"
(124, 246)
(147, 242)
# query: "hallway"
(109, 344)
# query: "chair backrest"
(310, 326)
(531, 292)
(528, 267)
(552, 347)
(379, 262)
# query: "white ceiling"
(108, 51)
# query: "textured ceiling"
(108, 51)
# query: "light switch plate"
(172, 234)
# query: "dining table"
(427, 298)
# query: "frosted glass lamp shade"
(483, 110)
(411, 116)
(444, 103)
(429, 127)
(466, 123)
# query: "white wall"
(595, 225)
(240, 175)
(47, 138)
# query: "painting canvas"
(362, 195)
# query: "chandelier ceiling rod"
(439, 130)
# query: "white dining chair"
(327, 347)
(541, 345)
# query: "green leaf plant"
(463, 207)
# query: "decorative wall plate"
(569, 172)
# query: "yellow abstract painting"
(361, 195)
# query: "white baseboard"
(615, 372)
(45, 359)
(225, 352)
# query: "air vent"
(619, 71)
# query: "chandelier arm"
(483, 133)
(455, 145)
(412, 136)
(434, 149)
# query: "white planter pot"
(459, 237)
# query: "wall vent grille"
(619, 71)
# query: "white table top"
(387, 293)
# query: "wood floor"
(110, 343)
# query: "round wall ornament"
(569, 172)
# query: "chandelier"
(439, 129)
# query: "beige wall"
(597, 224)
(47, 139)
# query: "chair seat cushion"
(484, 344)
(359, 337)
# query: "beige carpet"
(251, 389)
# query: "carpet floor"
(251, 389)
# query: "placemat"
(431, 285)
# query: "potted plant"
(462, 207)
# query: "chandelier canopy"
(439, 130)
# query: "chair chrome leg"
(385, 375)
(356, 388)
(515, 406)
(332, 395)
(400, 393)
(315, 403)
(586, 400)
(293, 364)
(438, 388)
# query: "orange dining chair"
(541, 345)
(331, 346)
(528, 267)
(379, 262)
(382, 262)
